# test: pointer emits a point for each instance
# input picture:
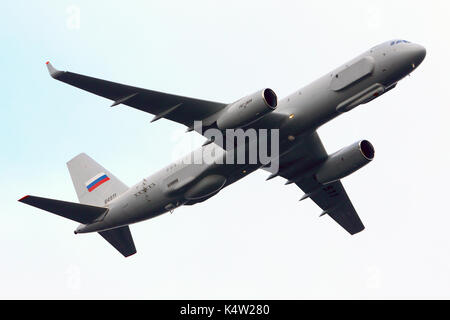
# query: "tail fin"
(93, 183)
(120, 238)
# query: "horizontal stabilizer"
(81, 213)
(120, 239)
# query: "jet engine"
(345, 162)
(247, 110)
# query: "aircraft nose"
(416, 53)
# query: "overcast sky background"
(254, 240)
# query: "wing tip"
(23, 198)
(129, 254)
(358, 230)
(52, 71)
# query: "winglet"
(53, 72)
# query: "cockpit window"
(399, 41)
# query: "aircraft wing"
(331, 198)
(180, 109)
(334, 201)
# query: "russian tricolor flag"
(96, 181)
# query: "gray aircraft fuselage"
(309, 108)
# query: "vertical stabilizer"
(93, 184)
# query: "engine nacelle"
(247, 110)
(205, 187)
(345, 162)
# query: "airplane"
(107, 206)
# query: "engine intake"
(248, 109)
(345, 162)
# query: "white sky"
(254, 240)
